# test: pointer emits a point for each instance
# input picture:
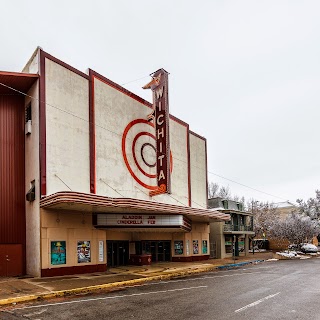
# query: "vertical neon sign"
(160, 116)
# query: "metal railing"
(235, 227)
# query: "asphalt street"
(272, 290)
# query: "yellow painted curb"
(127, 283)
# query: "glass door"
(110, 262)
(167, 250)
(153, 251)
(160, 251)
(117, 253)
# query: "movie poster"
(58, 252)
(84, 251)
(195, 246)
(178, 247)
(204, 246)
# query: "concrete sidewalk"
(16, 290)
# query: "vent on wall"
(28, 119)
(28, 127)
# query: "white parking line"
(112, 297)
(256, 302)
(35, 313)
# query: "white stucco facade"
(114, 113)
(198, 168)
(67, 130)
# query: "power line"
(123, 84)
(85, 120)
(241, 184)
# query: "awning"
(228, 211)
(19, 81)
(84, 202)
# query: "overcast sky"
(244, 74)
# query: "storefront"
(75, 239)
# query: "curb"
(127, 283)
(239, 264)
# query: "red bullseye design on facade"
(140, 146)
(141, 152)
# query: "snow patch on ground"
(257, 250)
(289, 254)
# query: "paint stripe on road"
(194, 279)
(257, 302)
(112, 297)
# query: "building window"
(225, 204)
(228, 244)
(242, 220)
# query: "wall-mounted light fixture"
(31, 194)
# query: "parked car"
(294, 247)
(308, 248)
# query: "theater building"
(93, 176)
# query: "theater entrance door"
(117, 253)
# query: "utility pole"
(253, 206)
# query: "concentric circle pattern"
(145, 154)
(139, 152)
(136, 134)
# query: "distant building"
(284, 209)
(230, 237)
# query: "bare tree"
(243, 201)
(236, 198)
(296, 229)
(311, 207)
(265, 215)
(224, 192)
(213, 189)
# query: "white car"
(308, 248)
